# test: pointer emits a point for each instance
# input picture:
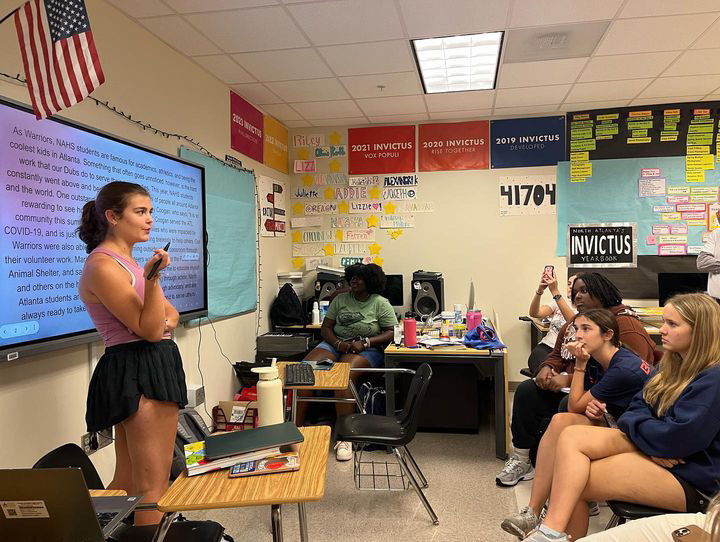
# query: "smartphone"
(549, 270)
(155, 266)
(690, 533)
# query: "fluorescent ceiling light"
(458, 63)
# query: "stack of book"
(221, 451)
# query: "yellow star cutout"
(375, 248)
(374, 192)
(343, 207)
(308, 180)
(335, 138)
(329, 193)
(377, 260)
(298, 208)
(297, 263)
(335, 166)
(389, 208)
(329, 249)
(303, 154)
(394, 234)
(339, 235)
(372, 221)
(297, 237)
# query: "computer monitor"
(670, 284)
(394, 290)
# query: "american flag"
(58, 51)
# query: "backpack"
(191, 428)
(372, 398)
(483, 337)
(287, 310)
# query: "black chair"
(626, 511)
(71, 455)
(394, 432)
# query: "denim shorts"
(374, 356)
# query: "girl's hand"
(160, 254)
(577, 349)
(356, 347)
(595, 409)
(667, 463)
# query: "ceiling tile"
(583, 106)
(511, 97)
(392, 105)
(695, 62)
(569, 40)
(142, 8)
(612, 68)
(223, 67)
(460, 101)
(257, 93)
(709, 39)
(641, 8)
(367, 58)
(284, 65)
(346, 121)
(348, 21)
(327, 110)
(682, 86)
(309, 90)
(423, 19)
(395, 84)
(653, 34)
(536, 110)
(665, 100)
(193, 6)
(177, 33)
(297, 124)
(545, 72)
(394, 119)
(712, 97)
(544, 12)
(471, 114)
(282, 112)
(256, 29)
(606, 90)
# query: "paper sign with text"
(381, 149)
(527, 195)
(453, 146)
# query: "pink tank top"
(112, 330)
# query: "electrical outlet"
(104, 437)
(85, 443)
(92, 442)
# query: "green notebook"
(250, 440)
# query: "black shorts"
(127, 371)
(694, 500)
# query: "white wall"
(42, 398)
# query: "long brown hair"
(674, 373)
(605, 320)
(113, 196)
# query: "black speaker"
(428, 293)
(327, 283)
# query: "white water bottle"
(269, 394)
(315, 313)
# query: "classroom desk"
(396, 355)
(108, 493)
(216, 490)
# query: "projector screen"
(48, 170)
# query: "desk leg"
(163, 527)
(293, 407)
(354, 392)
(303, 522)
(276, 516)
(499, 385)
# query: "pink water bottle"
(410, 331)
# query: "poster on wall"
(273, 213)
(246, 128)
(610, 244)
(275, 145)
(527, 142)
(527, 195)
(453, 146)
(381, 149)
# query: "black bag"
(287, 310)
(191, 428)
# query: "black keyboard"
(105, 517)
(299, 374)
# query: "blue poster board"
(528, 142)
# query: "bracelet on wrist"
(538, 292)
(557, 297)
(579, 370)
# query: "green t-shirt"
(355, 318)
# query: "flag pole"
(9, 15)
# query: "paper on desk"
(432, 342)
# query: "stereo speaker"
(428, 296)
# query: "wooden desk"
(481, 359)
(108, 493)
(217, 490)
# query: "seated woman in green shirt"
(357, 327)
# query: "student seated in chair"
(618, 375)
(536, 400)
(666, 450)
(357, 327)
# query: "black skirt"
(127, 371)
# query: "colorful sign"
(527, 142)
(454, 145)
(275, 147)
(381, 149)
(602, 245)
(246, 128)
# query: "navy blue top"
(625, 376)
(689, 430)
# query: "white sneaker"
(514, 471)
(343, 450)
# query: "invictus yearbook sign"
(611, 244)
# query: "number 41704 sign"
(527, 195)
